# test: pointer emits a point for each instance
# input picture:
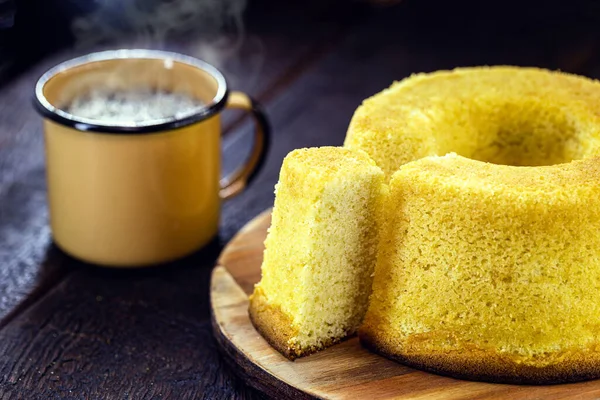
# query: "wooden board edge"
(251, 374)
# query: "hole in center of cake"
(525, 133)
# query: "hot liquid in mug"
(137, 194)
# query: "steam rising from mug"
(211, 30)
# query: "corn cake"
(489, 264)
(320, 250)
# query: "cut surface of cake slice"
(320, 250)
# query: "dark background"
(74, 331)
(33, 29)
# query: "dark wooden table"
(75, 331)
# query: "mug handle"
(234, 183)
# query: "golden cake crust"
(481, 113)
(489, 366)
(273, 325)
(276, 328)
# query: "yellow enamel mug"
(145, 193)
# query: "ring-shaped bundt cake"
(489, 257)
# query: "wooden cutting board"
(344, 371)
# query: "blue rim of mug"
(197, 114)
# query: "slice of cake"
(320, 250)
